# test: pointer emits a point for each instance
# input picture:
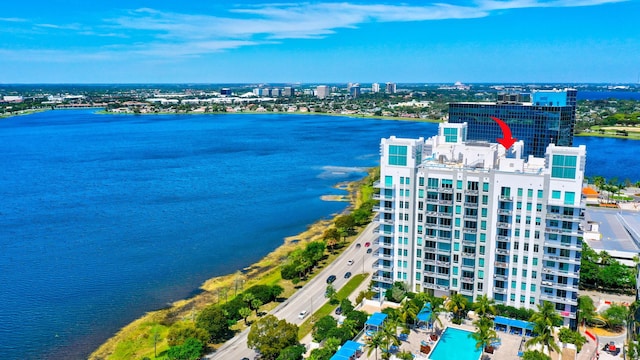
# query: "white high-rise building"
(375, 88)
(390, 88)
(472, 218)
(322, 91)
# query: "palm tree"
(546, 314)
(484, 334)
(484, 306)
(390, 333)
(544, 336)
(543, 322)
(457, 304)
(408, 311)
(374, 342)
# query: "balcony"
(382, 220)
(384, 244)
(502, 251)
(445, 202)
(468, 266)
(503, 265)
(469, 254)
(503, 238)
(471, 205)
(381, 255)
(504, 212)
(506, 198)
(500, 290)
(380, 265)
(442, 263)
(468, 243)
(378, 208)
(470, 217)
(471, 192)
(557, 299)
(467, 279)
(383, 279)
(430, 286)
(503, 225)
(500, 277)
(446, 190)
(378, 185)
(466, 292)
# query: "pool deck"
(507, 350)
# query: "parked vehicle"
(331, 279)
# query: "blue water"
(456, 344)
(604, 95)
(105, 217)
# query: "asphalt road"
(311, 296)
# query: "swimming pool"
(456, 344)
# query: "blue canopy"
(425, 314)
(376, 319)
(520, 324)
(346, 351)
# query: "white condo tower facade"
(473, 218)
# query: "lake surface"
(105, 217)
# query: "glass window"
(564, 166)
(540, 194)
(388, 180)
(485, 187)
(459, 184)
(569, 198)
(397, 155)
(529, 192)
(555, 194)
(480, 274)
(519, 191)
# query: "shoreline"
(257, 272)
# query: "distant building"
(288, 91)
(548, 119)
(225, 92)
(265, 92)
(12, 99)
(322, 91)
(390, 88)
(375, 88)
(354, 91)
(457, 216)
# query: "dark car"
(338, 310)
(347, 274)
(358, 245)
(369, 250)
(331, 279)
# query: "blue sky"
(214, 41)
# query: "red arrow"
(507, 139)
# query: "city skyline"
(573, 41)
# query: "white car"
(302, 314)
(350, 262)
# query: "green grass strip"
(326, 309)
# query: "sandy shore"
(138, 331)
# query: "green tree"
(332, 344)
(180, 331)
(408, 312)
(322, 327)
(245, 312)
(293, 352)
(214, 320)
(269, 336)
(346, 306)
(457, 304)
(374, 342)
(535, 355)
(256, 303)
(484, 334)
(543, 322)
(192, 349)
(484, 306)
(320, 354)
(615, 316)
(586, 309)
(330, 291)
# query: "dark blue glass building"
(548, 119)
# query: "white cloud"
(152, 32)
